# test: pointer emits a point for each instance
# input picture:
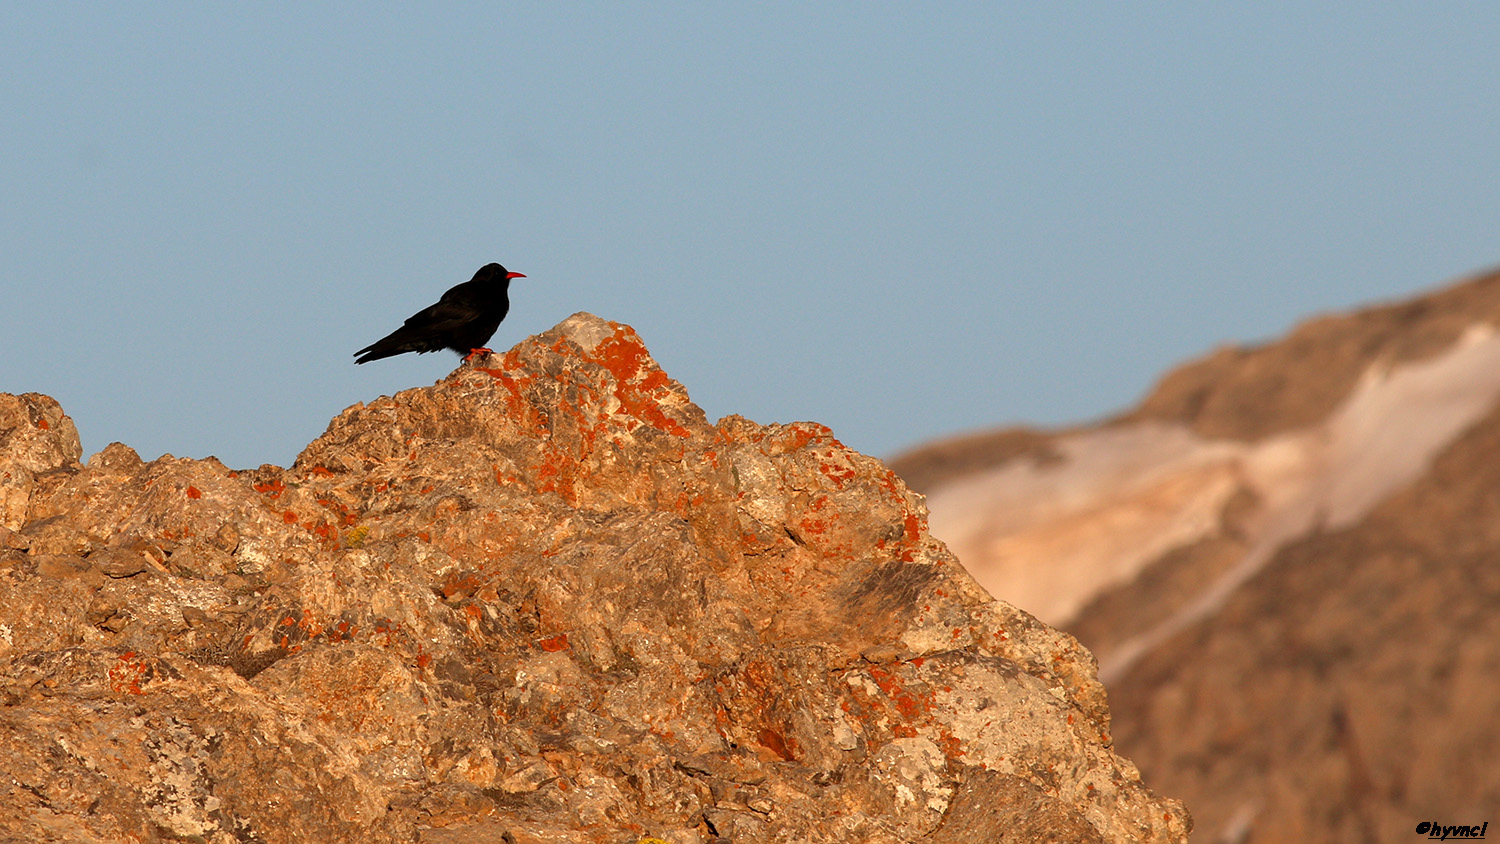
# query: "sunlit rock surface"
(542, 600)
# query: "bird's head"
(496, 272)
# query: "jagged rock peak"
(541, 600)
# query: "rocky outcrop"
(544, 600)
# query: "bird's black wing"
(427, 330)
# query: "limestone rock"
(542, 600)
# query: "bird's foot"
(474, 353)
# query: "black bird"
(463, 320)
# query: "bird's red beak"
(514, 275)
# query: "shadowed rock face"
(542, 600)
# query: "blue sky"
(900, 220)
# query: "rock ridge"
(544, 599)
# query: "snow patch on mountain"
(1050, 535)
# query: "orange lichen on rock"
(126, 674)
(638, 381)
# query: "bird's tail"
(365, 356)
(381, 349)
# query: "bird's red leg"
(474, 353)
